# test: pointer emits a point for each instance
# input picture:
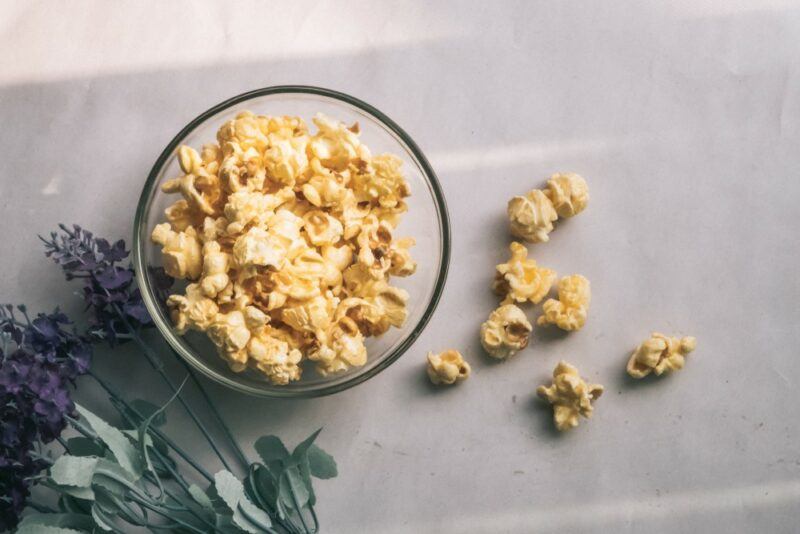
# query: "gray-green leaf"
(271, 448)
(126, 454)
(321, 463)
(298, 487)
(45, 529)
(82, 446)
(73, 471)
(304, 445)
(246, 515)
(76, 521)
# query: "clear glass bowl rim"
(162, 322)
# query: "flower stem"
(188, 459)
(156, 364)
(238, 450)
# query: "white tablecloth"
(683, 116)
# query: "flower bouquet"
(91, 476)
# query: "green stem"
(156, 364)
(242, 458)
(171, 444)
(160, 512)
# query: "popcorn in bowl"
(286, 238)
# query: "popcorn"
(180, 251)
(570, 396)
(660, 354)
(568, 193)
(531, 216)
(520, 279)
(322, 229)
(570, 310)
(215, 269)
(288, 239)
(447, 367)
(192, 310)
(506, 332)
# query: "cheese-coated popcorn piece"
(506, 332)
(401, 262)
(275, 358)
(568, 193)
(660, 354)
(531, 216)
(288, 236)
(521, 279)
(215, 269)
(344, 349)
(569, 312)
(570, 396)
(230, 334)
(447, 367)
(322, 229)
(386, 185)
(189, 160)
(259, 247)
(192, 310)
(181, 253)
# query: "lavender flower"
(35, 376)
(108, 286)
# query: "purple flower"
(109, 289)
(35, 381)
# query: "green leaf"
(113, 478)
(73, 471)
(266, 485)
(305, 472)
(76, 521)
(246, 515)
(82, 446)
(45, 529)
(303, 446)
(296, 486)
(200, 497)
(271, 448)
(116, 441)
(102, 519)
(148, 409)
(321, 464)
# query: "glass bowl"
(426, 221)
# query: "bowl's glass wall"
(425, 221)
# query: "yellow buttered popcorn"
(447, 367)
(521, 279)
(287, 239)
(660, 354)
(531, 216)
(506, 332)
(569, 312)
(570, 396)
(180, 252)
(568, 193)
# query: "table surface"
(684, 117)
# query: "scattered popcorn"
(506, 332)
(287, 240)
(570, 396)
(447, 367)
(660, 354)
(568, 193)
(531, 216)
(520, 279)
(569, 312)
